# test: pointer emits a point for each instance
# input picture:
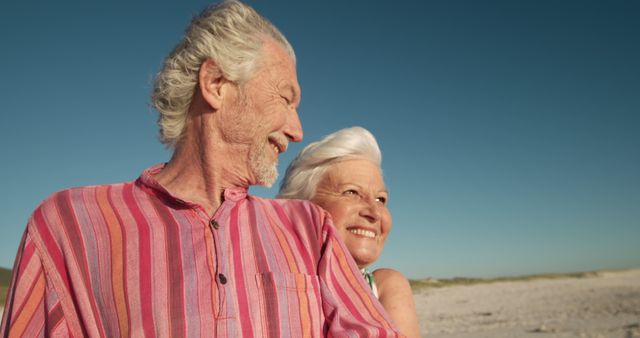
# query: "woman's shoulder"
(387, 274)
(396, 297)
(390, 279)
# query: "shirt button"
(222, 278)
(214, 224)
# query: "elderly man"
(183, 250)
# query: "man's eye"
(286, 99)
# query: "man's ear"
(211, 80)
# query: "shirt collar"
(148, 181)
(235, 194)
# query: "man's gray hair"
(306, 170)
(230, 33)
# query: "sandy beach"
(605, 304)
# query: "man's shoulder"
(75, 207)
(290, 203)
(294, 207)
(82, 193)
(295, 202)
(69, 201)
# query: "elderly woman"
(342, 174)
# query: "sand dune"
(605, 304)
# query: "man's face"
(263, 116)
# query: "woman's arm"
(396, 297)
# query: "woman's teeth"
(363, 232)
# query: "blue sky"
(509, 129)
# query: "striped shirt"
(131, 260)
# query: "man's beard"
(264, 170)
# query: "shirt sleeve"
(349, 306)
(32, 307)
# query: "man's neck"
(200, 171)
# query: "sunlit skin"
(247, 125)
(354, 193)
(263, 115)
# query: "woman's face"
(353, 192)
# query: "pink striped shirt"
(129, 259)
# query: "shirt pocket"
(290, 304)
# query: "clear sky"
(510, 130)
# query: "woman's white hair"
(306, 170)
(230, 33)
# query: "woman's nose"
(371, 211)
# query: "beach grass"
(438, 283)
(5, 279)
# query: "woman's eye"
(350, 192)
(382, 199)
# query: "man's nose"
(293, 128)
